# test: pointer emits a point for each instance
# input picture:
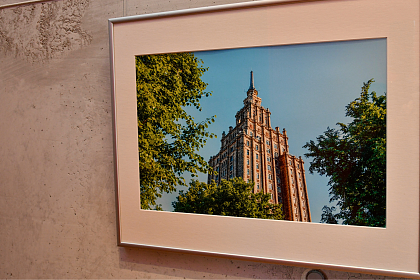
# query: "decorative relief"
(43, 31)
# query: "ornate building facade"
(256, 152)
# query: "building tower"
(256, 152)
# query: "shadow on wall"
(175, 264)
(186, 265)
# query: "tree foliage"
(327, 215)
(354, 159)
(169, 138)
(232, 197)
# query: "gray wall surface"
(57, 193)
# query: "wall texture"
(57, 200)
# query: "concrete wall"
(57, 203)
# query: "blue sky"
(306, 87)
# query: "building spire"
(251, 84)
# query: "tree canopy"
(327, 215)
(232, 197)
(168, 136)
(354, 158)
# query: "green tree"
(232, 197)
(169, 138)
(327, 215)
(354, 159)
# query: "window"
(258, 186)
(267, 142)
(275, 146)
(269, 167)
(269, 176)
(298, 167)
(258, 175)
(257, 156)
(272, 197)
(270, 186)
(247, 152)
(284, 150)
(247, 171)
(231, 167)
(250, 133)
(268, 150)
(247, 143)
(257, 166)
(247, 161)
(256, 147)
(276, 154)
(268, 159)
(231, 158)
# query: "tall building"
(256, 152)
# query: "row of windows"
(269, 186)
(270, 177)
(224, 173)
(224, 164)
(225, 154)
(268, 150)
(230, 138)
(297, 165)
(259, 138)
(260, 119)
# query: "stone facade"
(258, 153)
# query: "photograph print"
(294, 132)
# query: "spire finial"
(251, 85)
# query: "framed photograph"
(275, 81)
